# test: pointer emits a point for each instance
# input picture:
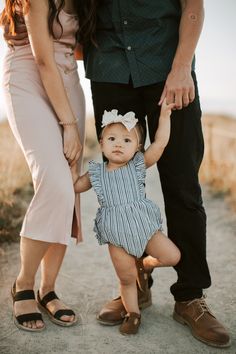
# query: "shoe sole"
(180, 319)
(54, 320)
(108, 323)
(24, 328)
(128, 334)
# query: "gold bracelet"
(68, 123)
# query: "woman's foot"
(57, 311)
(25, 309)
(131, 323)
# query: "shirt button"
(125, 22)
(129, 47)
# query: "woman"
(46, 112)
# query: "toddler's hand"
(166, 108)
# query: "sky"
(215, 60)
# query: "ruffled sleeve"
(94, 170)
(138, 161)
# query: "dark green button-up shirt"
(136, 39)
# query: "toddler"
(126, 220)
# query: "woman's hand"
(72, 146)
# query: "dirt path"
(87, 280)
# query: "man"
(144, 53)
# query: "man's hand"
(20, 38)
(179, 87)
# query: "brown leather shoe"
(143, 275)
(113, 312)
(144, 298)
(130, 323)
(203, 324)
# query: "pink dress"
(54, 212)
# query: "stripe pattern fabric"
(125, 218)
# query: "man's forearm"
(189, 31)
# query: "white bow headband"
(128, 120)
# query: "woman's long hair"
(14, 9)
(87, 12)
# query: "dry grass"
(15, 186)
(14, 171)
(219, 164)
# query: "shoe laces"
(202, 306)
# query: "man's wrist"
(181, 65)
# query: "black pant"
(178, 169)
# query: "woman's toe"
(33, 325)
(39, 324)
(67, 318)
(28, 325)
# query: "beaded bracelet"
(69, 123)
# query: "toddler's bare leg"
(127, 273)
(162, 252)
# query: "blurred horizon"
(215, 61)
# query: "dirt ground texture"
(87, 280)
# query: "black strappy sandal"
(20, 319)
(56, 317)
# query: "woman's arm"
(42, 46)
(82, 183)
(155, 150)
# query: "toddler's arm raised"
(155, 150)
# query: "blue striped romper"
(125, 218)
